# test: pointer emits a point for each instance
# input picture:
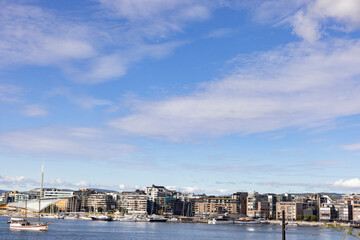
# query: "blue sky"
(200, 96)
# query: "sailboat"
(26, 225)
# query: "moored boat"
(101, 218)
(247, 221)
(156, 218)
(28, 226)
(221, 220)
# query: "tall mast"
(42, 181)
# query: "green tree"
(299, 217)
(313, 218)
(346, 231)
(99, 209)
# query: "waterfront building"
(241, 197)
(159, 198)
(258, 206)
(68, 204)
(356, 212)
(84, 195)
(52, 193)
(133, 202)
(215, 205)
(327, 213)
(100, 202)
(292, 210)
(353, 198)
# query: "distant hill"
(1, 191)
(102, 190)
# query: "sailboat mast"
(25, 208)
(39, 210)
(42, 181)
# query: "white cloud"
(31, 35)
(80, 142)
(9, 93)
(90, 102)
(34, 110)
(310, 18)
(308, 22)
(299, 85)
(159, 18)
(352, 147)
(16, 182)
(351, 183)
(219, 33)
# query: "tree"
(99, 209)
(346, 231)
(299, 217)
(313, 218)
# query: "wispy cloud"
(9, 93)
(352, 147)
(16, 182)
(299, 85)
(81, 142)
(310, 19)
(220, 33)
(34, 110)
(135, 30)
(353, 183)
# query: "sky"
(199, 96)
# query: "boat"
(23, 224)
(60, 216)
(220, 220)
(247, 221)
(263, 221)
(292, 224)
(84, 217)
(126, 218)
(26, 225)
(156, 218)
(14, 219)
(102, 217)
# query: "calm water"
(79, 229)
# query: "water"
(82, 229)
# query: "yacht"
(156, 218)
(101, 218)
(221, 220)
(247, 221)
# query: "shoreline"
(194, 220)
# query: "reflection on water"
(82, 229)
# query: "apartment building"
(215, 205)
(133, 202)
(292, 210)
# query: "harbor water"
(82, 229)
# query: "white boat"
(126, 218)
(220, 221)
(292, 224)
(28, 226)
(84, 217)
(156, 218)
(14, 219)
(60, 216)
(23, 224)
(263, 221)
(242, 221)
(101, 218)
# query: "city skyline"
(201, 96)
